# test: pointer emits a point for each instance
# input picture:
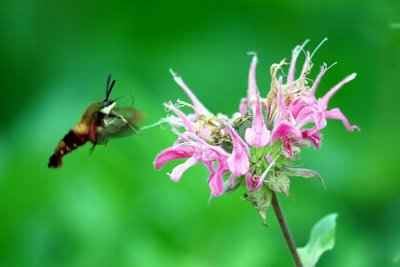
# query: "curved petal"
(177, 152)
(185, 120)
(238, 164)
(181, 168)
(238, 161)
(336, 114)
(243, 106)
(323, 102)
(300, 103)
(198, 105)
(215, 180)
(324, 68)
(252, 90)
(258, 135)
(320, 122)
(285, 128)
(250, 182)
(295, 53)
(315, 138)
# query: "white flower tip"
(318, 46)
(173, 178)
(299, 48)
(173, 73)
(168, 106)
(351, 77)
(305, 42)
(333, 64)
(254, 55)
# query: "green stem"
(286, 231)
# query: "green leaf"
(306, 173)
(279, 183)
(261, 200)
(322, 238)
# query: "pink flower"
(238, 161)
(252, 182)
(258, 135)
(198, 105)
(191, 144)
(196, 150)
(304, 108)
(245, 147)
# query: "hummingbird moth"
(101, 120)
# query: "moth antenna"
(109, 86)
(108, 83)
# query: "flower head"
(257, 146)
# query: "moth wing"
(120, 123)
(130, 114)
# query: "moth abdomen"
(71, 141)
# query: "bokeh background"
(112, 208)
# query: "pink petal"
(238, 161)
(320, 122)
(287, 144)
(185, 120)
(198, 105)
(215, 180)
(285, 128)
(252, 90)
(243, 106)
(208, 157)
(305, 116)
(314, 138)
(324, 101)
(317, 81)
(306, 65)
(181, 168)
(218, 151)
(318, 118)
(299, 103)
(336, 114)
(258, 135)
(281, 100)
(251, 184)
(295, 53)
(177, 152)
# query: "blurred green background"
(112, 208)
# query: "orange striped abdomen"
(71, 141)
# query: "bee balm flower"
(257, 146)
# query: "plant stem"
(286, 231)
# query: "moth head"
(108, 106)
